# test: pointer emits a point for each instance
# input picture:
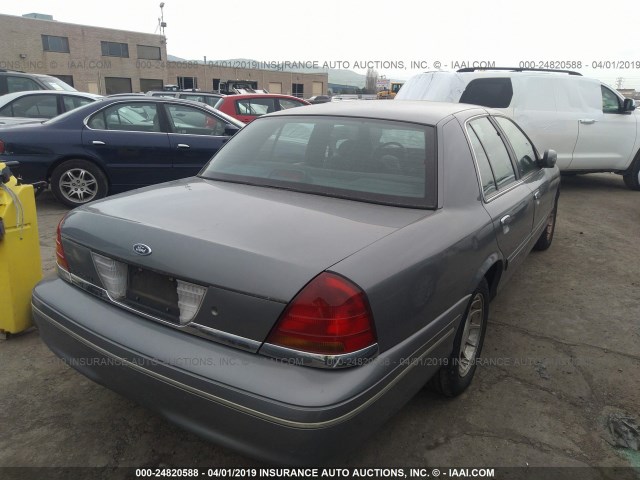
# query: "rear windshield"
(370, 160)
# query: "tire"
(546, 237)
(453, 378)
(76, 182)
(632, 176)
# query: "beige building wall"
(21, 48)
(265, 79)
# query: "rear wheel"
(454, 378)
(76, 182)
(632, 176)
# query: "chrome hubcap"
(78, 185)
(471, 335)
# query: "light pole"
(161, 21)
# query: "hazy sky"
(398, 31)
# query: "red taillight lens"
(1, 146)
(60, 258)
(330, 316)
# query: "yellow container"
(20, 265)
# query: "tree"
(372, 79)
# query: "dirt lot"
(562, 353)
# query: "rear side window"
(488, 92)
(496, 152)
(32, 106)
(522, 147)
(486, 174)
(361, 159)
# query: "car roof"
(11, 96)
(418, 111)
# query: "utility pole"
(619, 82)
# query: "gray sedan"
(327, 264)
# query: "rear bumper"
(237, 399)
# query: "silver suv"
(13, 81)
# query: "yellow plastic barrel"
(20, 265)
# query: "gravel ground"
(561, 358)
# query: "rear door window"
(71, 102)
(21, 84)
(496, 151)
(255, 106)
(137, 117)
(488, 92)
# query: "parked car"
(319, 99)
(592, 127)
(116, 144)
(13, 81)
(37, 106)
(203, 97)
(248, 107)
(325, 265)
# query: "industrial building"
(107, 61)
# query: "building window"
(115, 49)
(147, 84)
(55, 44)
(187, 83)
(149, 53)
(216, 84)
(117, 85)
(68, 79)
(297, 90)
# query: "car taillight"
(60, 258)
(1, 146)
(329, 316)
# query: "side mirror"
(230, 130)
(629, 105)
(549, 159)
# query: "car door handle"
(506, 220)
(98, 142)
(587, 121)
(183, 145)
(536, 195)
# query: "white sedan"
(40, 105)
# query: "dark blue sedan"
(117, 144)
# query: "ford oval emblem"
(142, 249)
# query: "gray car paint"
(417, 267)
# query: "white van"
(589, 124)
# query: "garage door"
(275, 87)
(316, 88)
